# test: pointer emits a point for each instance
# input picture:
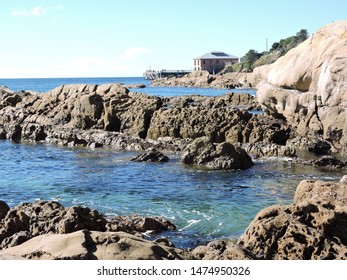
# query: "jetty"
(153, 74)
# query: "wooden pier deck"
(152, 74)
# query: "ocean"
(204, 205)
(46, 84)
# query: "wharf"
(152, 74)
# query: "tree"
(251, 56)
(302, 35)
(274, 46)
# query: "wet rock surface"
(151, 156)
(327, 162)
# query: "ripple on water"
(203, 204)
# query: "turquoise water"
(203, 204)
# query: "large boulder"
(313, 227)
(28, 220)
(202, 151)
(110, 107)
(87, 110)
(307, 86)
(92, 245)
(212, 117)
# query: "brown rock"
(205, 80)
(84, 245)
(87, 110)
(138, 224)
(194, 79)
(110, 107)
(196, 120)
(202, 151)
(221, 250)
(344, 179)
(4, 208)
(307, 86)
(42, 217)
(261, 149)
(314, 227)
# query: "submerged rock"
(135, 86)
(138, 224)
(151, 156)
(329, 162)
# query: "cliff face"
(308, 86)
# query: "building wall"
(197, 64)
(212, 65)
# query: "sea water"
(203, 204)
(46, 84)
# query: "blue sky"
(113, 38)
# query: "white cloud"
(36, 11)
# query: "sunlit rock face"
(308, 86)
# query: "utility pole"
(267, 45)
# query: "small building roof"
(217, 55)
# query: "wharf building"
(214, 62)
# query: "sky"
(116, 38)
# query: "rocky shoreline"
(313, 227)
(203, 79)
(301, 108)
